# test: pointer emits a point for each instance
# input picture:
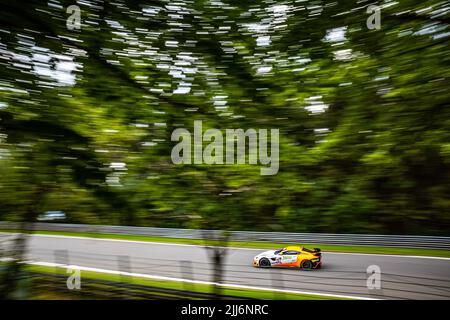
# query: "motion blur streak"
(343, 274)
(91, 91)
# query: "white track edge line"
(229, 285)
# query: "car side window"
(291, 252)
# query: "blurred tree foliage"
(86, 115)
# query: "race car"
(292, 256)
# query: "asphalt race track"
(404, 277)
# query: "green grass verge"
(260, 245)
(238, 293)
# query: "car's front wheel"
(264, 262)
(306, 264)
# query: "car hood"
(268, 253)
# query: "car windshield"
(278, 251)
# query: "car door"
(289, 258)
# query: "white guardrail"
(402, 241)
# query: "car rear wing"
(316, 249)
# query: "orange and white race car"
(292, 256)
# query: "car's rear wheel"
(306, 264)
(264, 262)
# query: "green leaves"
(363, 114)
